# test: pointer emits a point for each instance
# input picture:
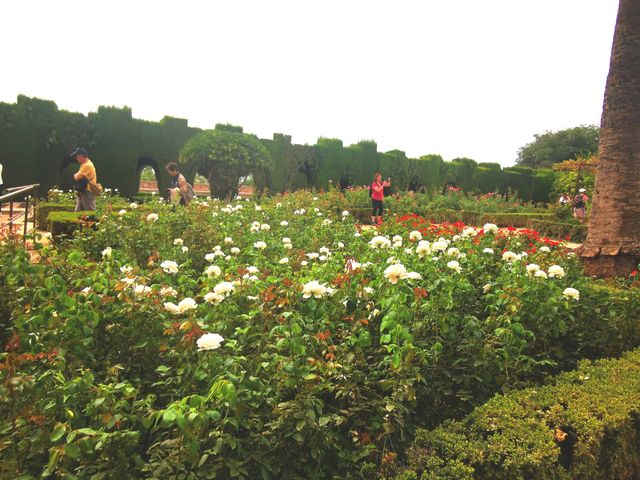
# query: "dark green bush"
(585, 424)
(65, 223)
(44, 208)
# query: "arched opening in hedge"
(148, 174)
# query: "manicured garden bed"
(278, 339)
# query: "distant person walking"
(377, 197)
(86, 200)
(580, 205)
(179, 190)
(1, 182)
(564, 199)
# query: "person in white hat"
(580, 205)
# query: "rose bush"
(210, 357)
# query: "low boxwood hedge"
(65, 223)
(44, 208)
(584, 425)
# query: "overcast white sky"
(455, 77)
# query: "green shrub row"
(35, 137)
(584, 425)
(65, 223)
(44, 208)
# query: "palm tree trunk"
(612, 247)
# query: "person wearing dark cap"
(86, 200)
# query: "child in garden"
(377, 197)
(180, 191)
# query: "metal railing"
(27, 196)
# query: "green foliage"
(568, 182)
(44, 208)
(103, 380)
(223, 156)
(35, 137)
(554, 147)
(490, 177)
(584, 424)
(64, 223)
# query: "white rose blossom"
(106, 253)
(169, 266)
(510, 257)
(209, 341)
(490, 228)
(395, 272)
(315, 289)
(183, 306)
(213, 271)
(569, 293)
(532, 268)
(454, 265)
(556, 271)
(152, 217)
(415, 236)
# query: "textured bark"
(612, 247)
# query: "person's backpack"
(578, 201)
(371, 191)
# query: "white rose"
(510, 257)
(209, 341)
(213, 297)
(532, 268)
(178, 241)
(556, 271)
(490, 228)
(395, 272)
(283, 261)
(133, 205)
(540, 274)
(169, 266)
(224, 288)
(152, 217)
(423, 248)
(453, 265)
(260, 245)
(571, 293)
(314, 288)
(213, 271)
(415, 236)
(106, 253)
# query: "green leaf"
(300, 425)
(169, 416)
(72, 451)
(98, 401)
(58, 432)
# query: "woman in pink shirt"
(377, 195)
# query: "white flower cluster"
(182, 307)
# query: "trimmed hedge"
(585, 424)
(44, 208)
(35, 137)
(65, 223)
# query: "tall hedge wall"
(35, 137)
